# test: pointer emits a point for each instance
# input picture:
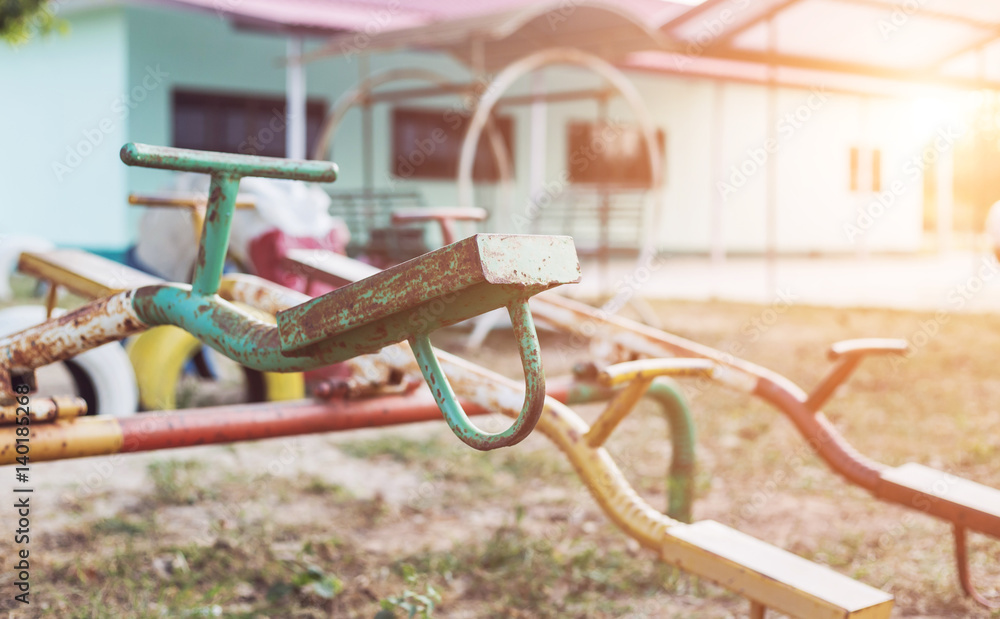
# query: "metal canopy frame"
(505, 36)
(489, 42)
(723, 46)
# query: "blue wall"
(62, 98)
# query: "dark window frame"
(426, 144)
(263, 119)
(587, 165)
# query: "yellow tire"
(159, 356)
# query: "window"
(608, 153)
(234, 123)
(426, 143)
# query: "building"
(795, 160)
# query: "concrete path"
(957, 281)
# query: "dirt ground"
(405, 519)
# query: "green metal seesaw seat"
(407, 302)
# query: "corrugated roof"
(950, 43)
(912, 40)
(607, 29)
(339, 16)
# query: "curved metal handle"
(867, 346)
(638, 376)
(848, 354)
(226, 171)
(534, 386)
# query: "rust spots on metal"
(43, 410)
(63, 439)
(94, 324)
(259, 293)
(439, 288)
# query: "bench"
(771, 578)
(389, 227)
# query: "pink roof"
(332, 16)
(813, 39)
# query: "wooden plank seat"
(770, 577)
(83, 273)
(328, 267)
(953, 498)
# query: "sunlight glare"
(936, 110)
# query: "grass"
(176, 482)
(472, 475)
(515, 573)
(512, 533)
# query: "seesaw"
(159, 355)
(402, 303)
(480, 274)
(768, 576)
(965, 504)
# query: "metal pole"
(539, 134)
(866, 182)
(367, 139)
(604, 213)
(944, 171)
(718, 243)
(771, 199)
(367, 155)
(295, 104)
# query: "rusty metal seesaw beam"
(407, 302)
(966, 504)
(768, 576)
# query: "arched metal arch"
(364, 88)
(357, 94)
(564, 55)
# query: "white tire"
(103, 376)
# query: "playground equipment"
(102, 377)
(966, 504)
(369, 211)
(468, 278)
(158, 356)
(963, 503)
(375, 314)
(769, 577)
(162, 356)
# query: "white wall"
(60, 87)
